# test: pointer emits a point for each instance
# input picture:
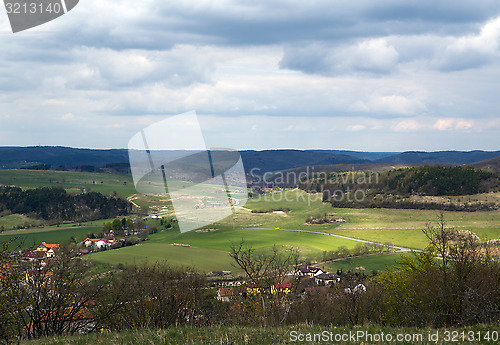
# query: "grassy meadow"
(364, 264)
(210, 246)
(103, 183)
(30, 238)
(279, 335)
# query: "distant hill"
(457, 157)
(277, 160)
(490, 164)
(264, 161)
(371, 156)
(116, 160)
(55, 156)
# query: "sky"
(365, 75)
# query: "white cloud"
(470, 51)
(374, 56)
(448, 124)
(407, 125)
(356, 127)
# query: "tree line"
(393, 188)
(424, 180)
(439, 181)
(51, 203)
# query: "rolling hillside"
(117, 160)
(490, 164)
(457, 157)
(55, 156)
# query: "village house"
(35, 255)
(83, 251)
(44, 247)
(254, 290)
(96, 243)
(309, 271)
(326, 279)
(224, 294)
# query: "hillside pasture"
(365, 264)
(13, 221)
(399, 227)
(97, 182)
(202, 259)
(25, 240)
(209, 251)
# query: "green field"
(400, 227)
(369, 263)
(209, 251)
(12, 221)
(73, 182)
(97, 182)
(25, 239)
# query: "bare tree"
(267, 271)
(59, 297)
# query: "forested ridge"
(438, 181)
(394, 188)
(50, 203)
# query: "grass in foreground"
(282, 335)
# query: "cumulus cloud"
(471, 51)
(448, 124)
(179, 66)
(372, 56)
(394, 104)
(407, 125)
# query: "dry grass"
(281, 335)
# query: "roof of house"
(226, 291)
(49, 245)
(96, 240)
(326, 276)
(284, 286)
(309, 269)
(33, 255)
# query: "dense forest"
(56, 204)
(438, 181)
(391, 189)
